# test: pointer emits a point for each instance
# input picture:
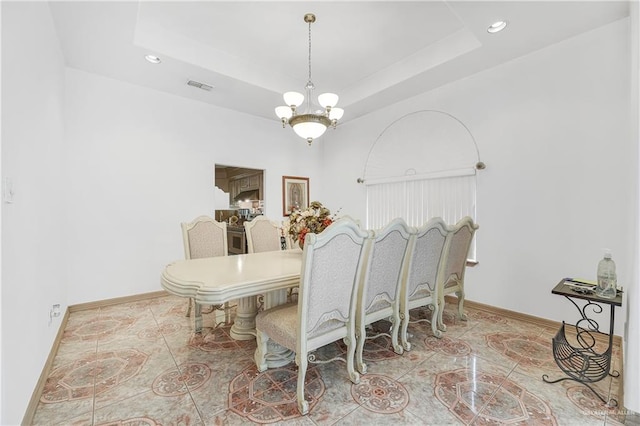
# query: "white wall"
(632, 347)
(552, 128)
(1, 175)
(139, 162)
(33, 262)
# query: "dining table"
(242, 278)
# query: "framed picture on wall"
(295, 193)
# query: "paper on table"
(582, 281)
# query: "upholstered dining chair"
(420, 286)
(455, 264)
(205, 237)
(332, 262)
(263, 235)
(379, 294)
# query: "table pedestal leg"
(275, 298)
(244, 325)
(196, 316)
(277, 355)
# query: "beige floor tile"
(150, 408)
(145, 364)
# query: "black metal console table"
(581, 361)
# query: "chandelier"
(310, 123)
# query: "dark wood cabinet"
(246, 183)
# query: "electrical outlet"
(54, 312)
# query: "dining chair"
(332, 264)
(205, 237)
(455, 265)
(420, 285)
(379, 293)
(263, 235)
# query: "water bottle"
(606, 277)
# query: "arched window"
(422, 165)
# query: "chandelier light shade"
(309, 123)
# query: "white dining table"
(216, 280)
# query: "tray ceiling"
(371, 54)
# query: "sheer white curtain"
(422, 165)
(418, 199)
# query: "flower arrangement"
(314, 219)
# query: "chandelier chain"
(309, 51)
(310, 123)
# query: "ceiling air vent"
(199, 85)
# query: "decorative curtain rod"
(466, 171)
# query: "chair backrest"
(262, 235)
(457, 250)
(385, 267)
(332, 262)
(426, 258)
(204, 237)
(347, 217)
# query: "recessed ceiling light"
(497, 26)
(153, 59)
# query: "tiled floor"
(139, 364)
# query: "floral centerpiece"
(314, 219)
